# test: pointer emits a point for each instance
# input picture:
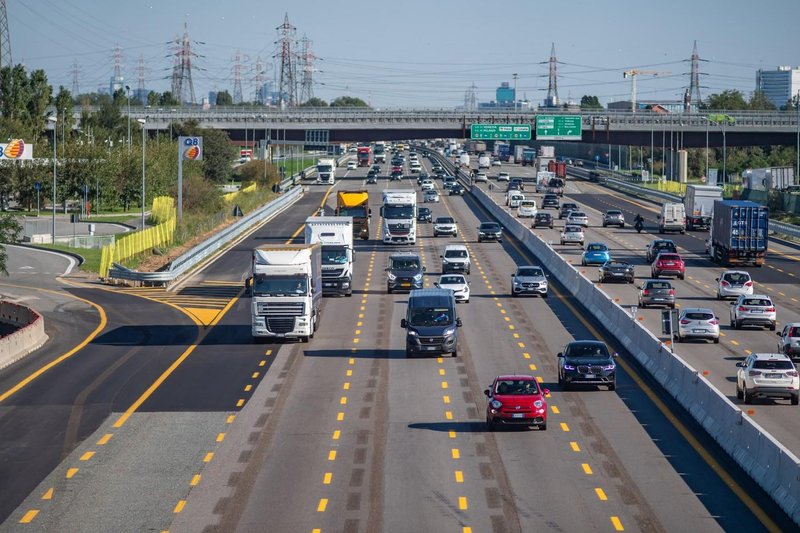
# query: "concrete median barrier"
(28, 337)
(766, 460)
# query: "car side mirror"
(716, 279)
(424, 269)
(459, 323)
(387, 269)
(733, 303)
(560, 354)
(441, 256)
(615, 354)
(488, 393)
(546, 391)
(403, 323)
(436, 284)
(778, 333)
(513, 275)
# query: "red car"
(397, 168)
(516, 400)
(668, 264)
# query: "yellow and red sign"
(16, 149)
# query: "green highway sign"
(521, 132)
(558, 127)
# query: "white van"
(672, 218)
(484, 161)
(463, 160)
(514, 198)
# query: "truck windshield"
(393, 211)
(431, 316)
(264, 285)
(324, 168)
(353, 211)
(334, 255)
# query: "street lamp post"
(128, 92)
(515, 91)
(143, 122)
(54, 120)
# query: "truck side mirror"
(403, 323)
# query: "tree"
(590, 102)
(348, 101)
(760, 102)
(64, 107)
(9, 233)
(224, 98)
(168, 99)
(14, 92)
(314, 102)
(218, 152)
(731, 100)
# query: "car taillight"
(645, 292)
(792, 373)
(742, 308)
(713, 321)
(754, 373)
(685, 322)
(725, 284)
(770, 309)
(748, 284)
(672, 292)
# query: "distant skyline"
(417, 54)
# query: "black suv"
(490, 231)
(550, 200)
(659, 246)
(404, 272)
(587, 362)
(566, 207)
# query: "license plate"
(698, 330)
(589, 376)
(405, 284)
(431, 348)
(773, 376)
(618, 273)
(518, 415)
(755, 310)
(327, 284)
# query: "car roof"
(455, 247)
(403, 254)
(588, 342)
(521, 377)
(697, 310)
(663, 240)
(658, 281)
(773, 356)
(430, 297)
(736, 272)
(573, 228)
(757, 296)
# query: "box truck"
(699, 203)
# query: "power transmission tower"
(76, 72)
(182, 85)
(238, 98)
(470, 98)
(259, 81)
(286, 84)
(306, 58)
(117, 82)
(141, 90)
(694, 78)
(5, 37)
(552, 83)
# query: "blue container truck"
(739, 233)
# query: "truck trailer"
(335, 235)
(699, 202)
(355, 204)
(285, 291)
(739, 233)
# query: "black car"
(519, 182)
(396, 161)
(616, 271)
(587, 362)
(457, 189)
(550, 200)
(513, 186)
(542, 220)
(565, 208)
(660, 246)
(396, 176)
(376, 168)
(372, 178)
(490, 231)
(424, 214)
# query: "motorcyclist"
(638, 222)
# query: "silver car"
(613, 217)
(430, 196)
(529, 280)
(657, 292)
(573, 235)
(698, 323)
(789, 341)
(578, 218)
(755, 310)
(733, 283)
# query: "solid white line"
(72, 262)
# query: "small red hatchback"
(516, 400)
(668, 264)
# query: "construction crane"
(632, 74)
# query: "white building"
(780, 85)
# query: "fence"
(87, 241)
(231, 196)
(133, 244)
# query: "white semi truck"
(699, 202)
(326, 170)
(286, 291)
(335, 234)
(399, 212)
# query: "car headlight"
(412, 333)
(569, 367)
(482, 234)
(496, 404)
(609, 368)
(417, 277)
(538, 404)
(543, 283)
(391, 276)
(449, 332)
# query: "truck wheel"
(304, 338)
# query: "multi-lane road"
(170, 417)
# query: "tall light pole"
(54, 120)
(515, 91)
(128, 92)
(797, 108)
(143, 122)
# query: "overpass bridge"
(334, 125)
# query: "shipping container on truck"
(764, 179)
(559, 168)
(739, 233)
(502, 151)
(355, 204)
(518, 151)
(364, 156)
(699, 202)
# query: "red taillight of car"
(645, 292)
(770, 309)
(742, 308)
(792, 373)
(713, 322)
(685, 322)
(754, 373)
(748, 284)
(672, 292)
(725, 284)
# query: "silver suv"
(455, 259)
(698, 323)
(445, 226)
(789, 341)
(767, 375)
(529, 280)
(756, 310)
(614, 217)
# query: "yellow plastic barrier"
(231, 196)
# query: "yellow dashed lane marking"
(564, 427)
(323, 504)
(104, 439)
(179, 506)
(554, 409)
(601, 494)
(586, 469)
(326, 480)
(574, 446)
(332, 455)
(459, 476)
(617, 524)
(455, 453)
(209, 456)
(48, 495)
(195, 480)
(86, 456)
(29, 516)
(462, 503)
(71, 472)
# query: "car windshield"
(698, 315)
(776, 364)
(737, 278)
(664, 244)
(430, 316)
(596, 248)
(264, 285)
(613, 213)
(612, 264)
(405, 263)
(452, 280)
(444, 220)
(531, 272)
(517, 387)
(424, 211)
(528, 203)
(455, 253)
(490, 227)
(762, 302)
(658, 285)
(577, 214)
(586, 350)
(334, 256)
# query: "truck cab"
(335, 235)
(326, 171)
(399, 212)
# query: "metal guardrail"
(194, 256)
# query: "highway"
(171, 417)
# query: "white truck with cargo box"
(335, 234)
(699, 203)
(285, 291)
(672, 218)
(326, 170)
(399, 212)
(484, 161)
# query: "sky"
(414, 53)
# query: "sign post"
(559, 127)
(520, 132)
(190, 148)
(38, 187)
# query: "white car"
(481, 176)
(427, 185)
(789, 341)
(456, 283)
(430, 196)
(514, 199)
(503, 176)
(527, 208)
(415, 167)
(734, 283)
(578, 218)
(754, 310)
(445, 226)
(697, 323)
(352, 165)
(767, 375)
(572, 235)
(496, 163)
